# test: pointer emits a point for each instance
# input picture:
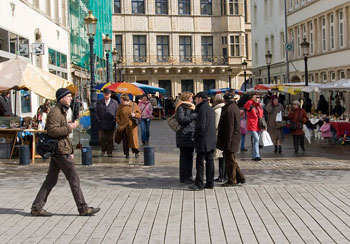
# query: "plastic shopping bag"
(307, 133)
(279, 117)
(265, 139)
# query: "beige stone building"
(183, 45)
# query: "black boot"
(222, 172)
(279, 149)
(296, 143)
(302, 145)
(275, 151)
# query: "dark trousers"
(233, 171)
(66, 164)
(298, 140)
(186, 163)
(222, 170)
(126, 144)
(209, 168)
(106, 140)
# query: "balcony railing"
(154, 60)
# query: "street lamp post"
(244, 67)
(229, 72)
(107, 44)
(90, 24)
(115, 60)
(305, 47)
(268, 57)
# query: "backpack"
(46, 146)
(173, 123)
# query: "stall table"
(157, 112)
(13, 132)
(341, 127)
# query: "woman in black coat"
(186, 116)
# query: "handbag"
(281, 124)
(243, 127)
(173, 123)
(265, 139)
(46, 146)
(295, 126)
(261, 121)
(136, 121)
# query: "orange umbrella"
(123, 87)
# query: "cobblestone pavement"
(287, 199)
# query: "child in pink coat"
(326, 132)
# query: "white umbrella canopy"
(18, 74)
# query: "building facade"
(25, 22)
(268, 34)
(182, 45)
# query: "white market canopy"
(340, 86)
(17, 74)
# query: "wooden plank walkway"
(309, 213)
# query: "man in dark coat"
(205, 142)
(5, 104)
(106, 111)
(229, 134)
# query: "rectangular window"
(185, 49)
(206, 7)
(266, 10)
(166, 84)
(207, 48)
(187, 85)
(162, 6)
(246, 46)
(184, 7)
(323, 26)
(138, 6)
(119, 45)
(139, 43)
(341, 29)
(224, 40)
(162, 48)
(23, 47)
(117, 7)
(311, 38)
(208, 84)
(223, 7)
(324, 77)
(342, 75)
(233, 7)
(57, 59)
(4, 40)
(331, 30)
(333, 76)
(235, 46)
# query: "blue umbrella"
(149, 89)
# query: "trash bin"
(86, 155)
(24, 155)
(148, 155)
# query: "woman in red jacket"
(298, 118)
(254, 110)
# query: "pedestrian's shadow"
(16, 211)
(146, 182)
(13, 211)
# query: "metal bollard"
(24, 155)
(148, 155)
(86, 155)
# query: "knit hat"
(296, 102)
(62, 92)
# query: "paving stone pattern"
(288, 198)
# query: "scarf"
(188, 104)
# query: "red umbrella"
(261, 87)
